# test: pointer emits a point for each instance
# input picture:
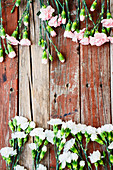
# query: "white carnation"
(44, 148)
(82, 163)
(65, 157)
(110, 146)
(8, 151)
(94, 137)
(95, 156)
(24, 125)
(55, 122)
(91, 130)
(20, 120)
(18, 167)
(33, 146)
(32, 124)
(41, 167)
(18, 135)
(68, 145)
(38, 132)
(49, 135)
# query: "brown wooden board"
(8, 81)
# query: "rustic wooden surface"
(81, 86)
(8, 81)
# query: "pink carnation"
(12, 40)
(1, 59)
(12, 54)
(55, 21)
(25, 42)
(84, 41)
(100, 39)
(46, 13)
(111, 39)
(108, 23)
(68, 34)
(92, 40)
(53, 33)
(80, 35)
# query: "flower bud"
(14, 34)
(19, 142)
(25, 35)
(61, 57)
(14, 122)
(51, 31)
(17, 3)
(109, 15)
(33, 154)
(82, 14)
(19, 128)
(44, 57)
(42, 44)
(74, 150)
(111, 158)
(46, 142)
(2, 33)
(74, 25)
(11, 125)
(26, 20)
(12, 53)
(79, 135)
(74, 164)
(50, 57)
(1, 55)
(99, 141)
(93, 6)
(68, 27)
(63, 15)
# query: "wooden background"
(81, 86)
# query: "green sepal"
(19, 142)
(68, 27)
(15, 33)
(49, 28)
(1, 52)
(60, 56)
(50, 57)
(44, 55)
(82, 12)
(17, 3)
(25, 35)
(74, 25)
(63, 14)
(2, 32)
(111, 158)
(109, 15)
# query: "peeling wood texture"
(80, 89)
(8, 81)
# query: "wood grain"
(8, 82)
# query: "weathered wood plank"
(8, 82)
(64, 80)
(111, 60)
(33, 81)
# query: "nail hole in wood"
(55, 95)
(100, 85)
(67, 85)
(11, 89)
(87, 85)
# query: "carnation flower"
(94, 137)
(53, 33)
(84, 41)
(12, 40)
(110, 146)
(33, 146)
(90, 130)
(25, 42)
(92, 40)
(95, 156)
(108, 23)
(68, 145)
(55, 122)
(41, 167)
(65, 157)
(55, 21)
(32, 124)
(38, 132)
(46, 13)
(49, 135)
(82, 163)
(18, 167)
(74, 156)
(105, 128)
(18, 135)
(68, 34)
(8, 151)
(20, 120)
(24, 125)
(78, 35)
(44, 148)
(100, 39)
